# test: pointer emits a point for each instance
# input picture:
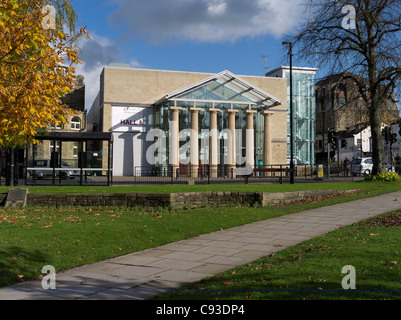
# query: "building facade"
(77, 123)
(303, 112)
(187, 120)
(340, 108)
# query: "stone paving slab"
(144, 274)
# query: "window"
(56, 126)
(319, 125)
(318, 106)
(341, 99)
(75, 150)
(76, 123)
(328, 105)
(330, 122)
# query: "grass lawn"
(193, 188)
(68, 237)
(313, 269)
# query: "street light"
(291, 115)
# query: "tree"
(361, 37)
(36, 71)
(64, 13)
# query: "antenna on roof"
(265, 62)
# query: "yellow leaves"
(30, 83)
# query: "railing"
(183, 174)
(68, 176)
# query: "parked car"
(46, 164)
(365, 166)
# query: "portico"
(221, 113)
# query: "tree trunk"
(377, 138)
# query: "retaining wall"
(186, 200)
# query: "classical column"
(231, 156)
(267, 141)
(213, 143)
(194, 144)
(250, 138)
(174, 140)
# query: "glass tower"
(303, 113)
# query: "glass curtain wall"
(163, 116)
(303, 118)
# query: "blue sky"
(185, 35)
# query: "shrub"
(389, 176)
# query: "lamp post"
(291, 115)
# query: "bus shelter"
(70, 158)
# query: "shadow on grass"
(18, 264)
(263, 286)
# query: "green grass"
(68, 237)
(195, 188)
(313, 269)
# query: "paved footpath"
(144, 274)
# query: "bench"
(272, 170)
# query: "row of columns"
(213, 140)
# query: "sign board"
(16, 198)
(127, 119)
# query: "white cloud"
(206, 20)
(134, 63)
(96, 54)
(217, 7)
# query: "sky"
(242, 36)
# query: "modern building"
(189, 120)
(303, 112)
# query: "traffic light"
(387, 134)
(334, 143)
(393, 138)
(332, 138)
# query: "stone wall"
(186, 200)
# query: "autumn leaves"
(37, 68)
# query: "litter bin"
(320, 171)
